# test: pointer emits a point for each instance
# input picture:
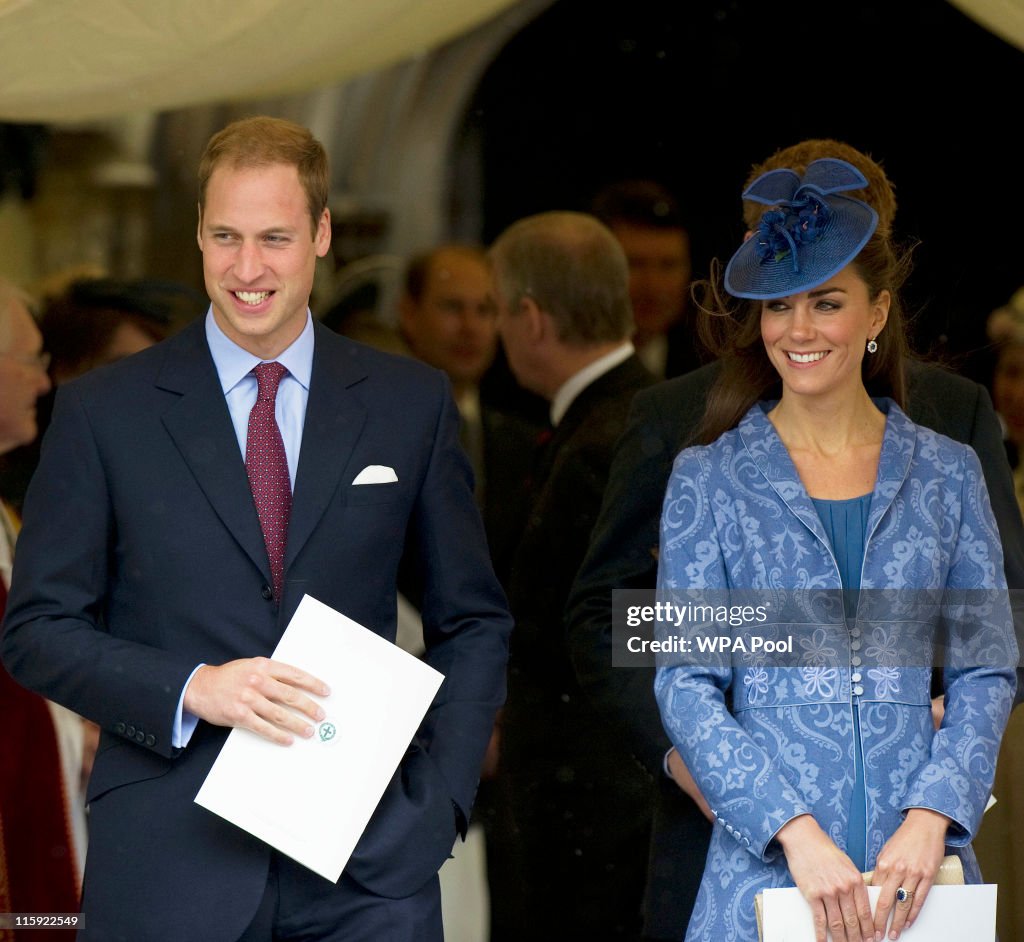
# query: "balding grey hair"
(573, 268)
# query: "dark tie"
(267, 467)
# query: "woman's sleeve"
(747, 795)
(979, 669)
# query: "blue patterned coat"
(767, 740)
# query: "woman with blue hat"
(813, 485)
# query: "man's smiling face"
(259, 254)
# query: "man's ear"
(199, 227)
(322, 239)
(536, 319)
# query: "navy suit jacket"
(141, 556)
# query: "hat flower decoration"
(811, 232)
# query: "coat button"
(119, 728)
(140, 736)
(855, 661)
(151, 740)
(130, 732)
(854, 645)
(858, 691)
(267, 592)
(855, 677)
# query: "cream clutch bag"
(951, 872)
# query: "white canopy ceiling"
(1005, 18)
(79, 60)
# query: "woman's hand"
(831, 884)
(909, 861)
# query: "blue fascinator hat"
(810, 233)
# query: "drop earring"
(872, 345)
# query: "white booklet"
(311, 800)
(949, 912)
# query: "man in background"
(448, 317)
(42, 817)
(581, 804)
(647, 221)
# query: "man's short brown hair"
(263, 142)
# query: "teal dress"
(845, 523)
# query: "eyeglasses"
(41, 361)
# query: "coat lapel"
(200, 425)
(769, 454)
(334, 421)
(898, 445)
(766, 450)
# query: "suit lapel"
(334, 421)
(200, 425)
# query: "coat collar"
(625, 378)
(765, 448)
(200, 425)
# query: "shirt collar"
(468, 405)
(234, 364)
(573, 386)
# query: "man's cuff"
(184, 723)
(664, 762)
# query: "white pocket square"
(376, 474)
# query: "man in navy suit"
(148, 597)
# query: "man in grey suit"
(581, 804)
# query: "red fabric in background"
(37, 862)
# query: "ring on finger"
(904, 897)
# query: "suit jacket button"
(140, 736)
(267, 592)
(130, 732)
(151, 740)
(119, 728)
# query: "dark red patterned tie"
(267, 467)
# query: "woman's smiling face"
(816, 339)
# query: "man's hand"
(682, 777)
(257, 694)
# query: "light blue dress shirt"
(234, 370)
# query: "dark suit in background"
(622, 555)
(581, 804)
